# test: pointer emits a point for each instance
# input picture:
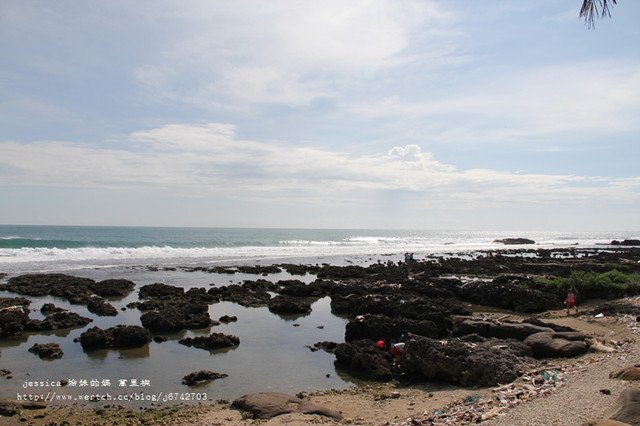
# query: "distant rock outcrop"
(514, 241)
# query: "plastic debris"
(600, 315)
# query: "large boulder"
(500, 330)
(557, 344)
(627, 408)
(121, 336)
(266, 405)
(364, 359)
(481, 362)
(213, 341)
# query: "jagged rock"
(258, 269)
(57, 321)
(227, 319)
(75, 289)
(266, 405)
(364, 359)
(160, 291)
(13, 320)
(175, 316)
(50, 308)
(8, 302)
(200, 295)
(241, 295)
(507, 295)
(557, 344)
(47, 350)
(160, 339)
(202, 376)
(297, 288)
(213, 341)
(101, 307)
(500, 330)
(481, 363)
(364, 300)
(288, 305)
(376, 327)
(325, 346)
(121, 336)
(114, 288)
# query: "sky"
(480, 115)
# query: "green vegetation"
(607, 285)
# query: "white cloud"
(288, 52)
(210, 159)
(576, 98)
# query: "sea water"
(273, 353)
(55, 248)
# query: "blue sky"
(506, 115)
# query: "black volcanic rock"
(57, 321)
(100, 307)
(362, 358)
(213, 341)
(160, 291)
(288, 305)
(114, 288)
(514, 241)
(478, 363)
(376, 327)
(625, 243)
(202, 376)
(47, 350)
(176, 316)
(121, 336)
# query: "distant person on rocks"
(408, 257)
(570, 302)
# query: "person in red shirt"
(570, 302)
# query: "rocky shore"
(441, 340)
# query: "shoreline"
(393, 403)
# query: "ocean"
(273, 353)
(58, 248)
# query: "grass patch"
(606, 285)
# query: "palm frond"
(592, 9)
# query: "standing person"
(570, 302)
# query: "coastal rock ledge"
(266, 405)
